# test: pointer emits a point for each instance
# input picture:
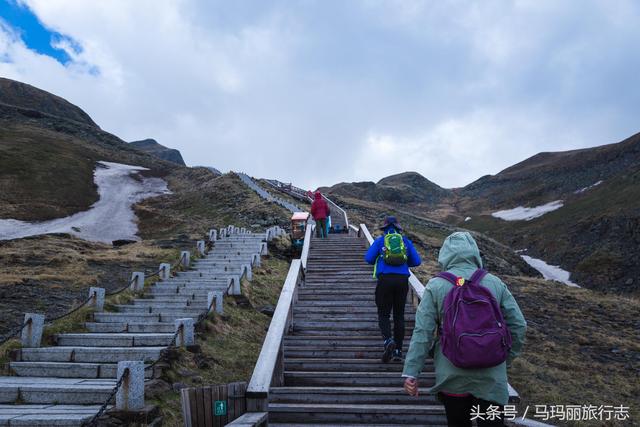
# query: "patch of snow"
(110, 218)
(582, 190)
(467, 219)
(550, 272)
(527, 214)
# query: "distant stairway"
(66, 384)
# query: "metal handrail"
(346, 218)
(417, 289)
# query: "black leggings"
(391, 294)
(459, 411)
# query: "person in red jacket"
(320, 212)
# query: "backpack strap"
(449, 277)
(477, 276)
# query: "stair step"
(46, 415)
(361, 414)
(89, 354)
(34, 390)
(138, 317)
(115, 340)
(182, 311)
(336, 342)
(353, 379)
(68, 370)
(151, 327)
(337, 353)
(349, 395)
(350, 365)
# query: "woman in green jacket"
(461, 390)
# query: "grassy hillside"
(37, 102)
(595, 236)
(200, 201)
(46, 165)
(551, 176)
(582, 347)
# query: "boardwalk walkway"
(332, 370)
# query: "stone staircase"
(66, 384)
(332, 369)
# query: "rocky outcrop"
(407, 187)
(152, 147)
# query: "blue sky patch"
(33, 33)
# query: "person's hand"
(411, 386)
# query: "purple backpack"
(473, 332)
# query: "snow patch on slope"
(550, 272)
(527, 214)
(582, 190)
(110, 218)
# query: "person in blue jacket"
(392, 289)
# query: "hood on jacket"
(459, 250)
(318, 195)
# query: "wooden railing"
(269, 369)
(305, 246)
(417, 290)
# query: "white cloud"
(322, 92)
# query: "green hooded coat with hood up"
(460, 255)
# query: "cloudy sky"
(318, 92)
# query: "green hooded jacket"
(460, 255)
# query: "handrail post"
(96, 296)
(185, 259)
(31, 334)
(137, 281)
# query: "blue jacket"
(413, 258)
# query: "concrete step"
(139, 317)
(349, 395)
(172, 301)
(338, 414)
(151, 327)
(88, 354)
(202, 281)
(37, 390)
(190, 276)
(187, 291)
(171, 311)
(46, 415)
(115, 340)
(68, 370)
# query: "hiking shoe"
(389, 347)
(397, 355)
